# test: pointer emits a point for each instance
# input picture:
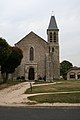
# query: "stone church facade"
(40, 57)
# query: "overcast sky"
(19, 17)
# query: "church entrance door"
(31, 74)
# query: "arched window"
(50, 36)
(72, 75)
(52, 49)
(49, 49)
(31, 54)
(54, 37)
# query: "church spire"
(52, 65)
(52, 24)
(52, 31)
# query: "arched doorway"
(31, 74)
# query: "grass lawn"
(58, 87)
(57, 98)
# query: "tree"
(64, 67)
(12, 62)
(4, 51)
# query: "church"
(40, 57)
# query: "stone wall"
(40, 50)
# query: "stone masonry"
(40, 57)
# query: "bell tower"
(52, 63)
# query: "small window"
(54, 37)
(31, 54)
(72, 76)
(78, 76)
(50, 36)
(52, 49)
(49, 49)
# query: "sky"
(19, 17)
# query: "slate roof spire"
(52, 24)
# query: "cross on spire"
(52, 13)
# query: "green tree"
(64, 67)
(12, 62)
(4, 51)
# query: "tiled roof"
(52, 24)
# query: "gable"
(33, 36)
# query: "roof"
(31, 33)
(52, 24)
(73, 68)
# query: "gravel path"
(14, 94)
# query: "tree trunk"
(5, 77)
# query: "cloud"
(19, 17)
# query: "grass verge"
(57, 98)
(63, 86)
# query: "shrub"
(22, 77)
(44, 78)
